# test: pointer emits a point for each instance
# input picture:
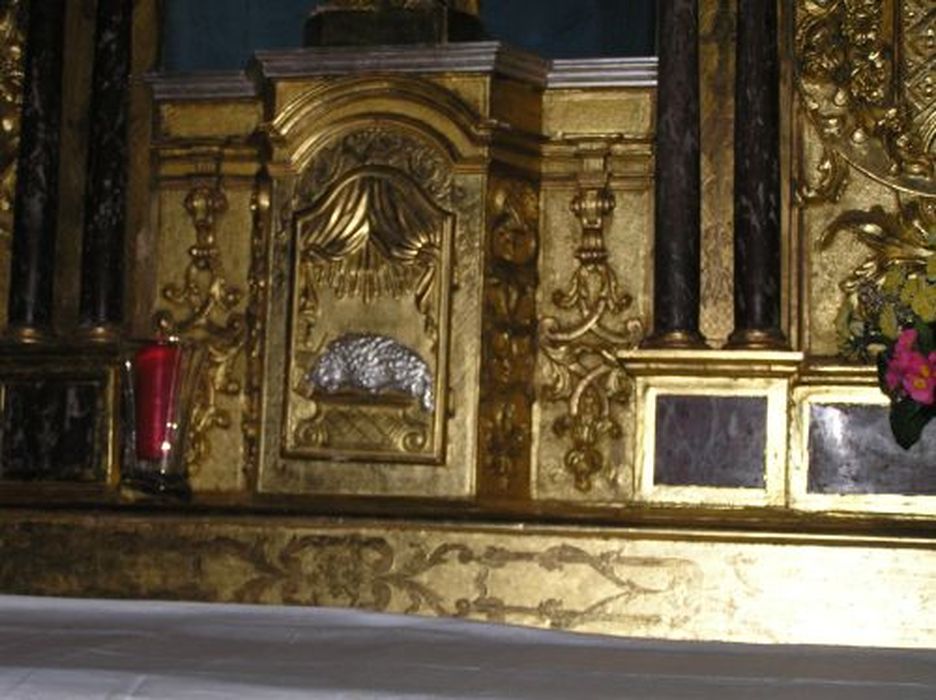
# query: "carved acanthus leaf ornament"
(848, 82)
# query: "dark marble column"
(35, 214)
(757, 179)
(676, 266)
(101, 308)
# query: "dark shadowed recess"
(222, 34)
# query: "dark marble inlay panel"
(53, 430)
(851, 450)
(711, 441)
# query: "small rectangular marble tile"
(852, 451)
(711, 441)
(51, 430)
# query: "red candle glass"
(155, 371)
(160, 380)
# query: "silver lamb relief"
(375, 364)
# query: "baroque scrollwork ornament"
(210, 308)
(859, 72)
(847, 74)
(902, 246)
(580, 366)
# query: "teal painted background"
(222, 34)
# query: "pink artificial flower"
(906, 340)
(904, 356)
(920, 381)
(921, 386)
(911, 372)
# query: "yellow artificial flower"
(893, 280)
(887, 322)
(924, 302)
(931, 267)
(912, 287)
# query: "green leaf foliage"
(907, 419)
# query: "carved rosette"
(12, 26)
(509, 332)
(206, 308)
(864, 76)
(372, 226)
(579, 349)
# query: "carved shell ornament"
(375, 365)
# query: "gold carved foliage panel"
(508, 342)
(865, 161)
(12, 28)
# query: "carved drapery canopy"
(375, 234)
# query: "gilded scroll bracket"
(580, 367)
(209, 305)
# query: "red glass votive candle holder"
(160, 379)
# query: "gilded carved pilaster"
(257, 281)
(210, 312)
(12, 27)
(717, 66)
(508, 336)
(12, 16)
(579, 349)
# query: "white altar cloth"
(55, 648)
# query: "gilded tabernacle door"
(376, 193)
(369, 300)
